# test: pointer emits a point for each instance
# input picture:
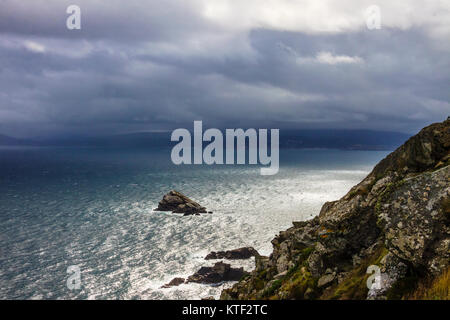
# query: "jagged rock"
(397, 218)
(261, 262)
(241, 253)
(290, 243)
(315, 260)
(177, 202)
(217, 273)
(174, 282)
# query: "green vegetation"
(270, 291)
(305, 253)
(355, 284)
(296, 281)
(297, 285)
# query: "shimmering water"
(92, 207)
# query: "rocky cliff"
(389, 233)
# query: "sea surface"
(93, 208)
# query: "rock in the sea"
(174, 282)
(177, 202)
(217, 273)
(241, 253)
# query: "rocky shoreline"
(382, 240)
(220, 271)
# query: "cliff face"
(395, 221)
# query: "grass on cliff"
(270, 291)
(354, 286)
(437, 289)
(296, 281)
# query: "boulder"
(241, 253)
(177, 202)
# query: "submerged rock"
(235, 254)
(177, 202)
(217, 273)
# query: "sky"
(159, 65)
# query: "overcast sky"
(158, 65)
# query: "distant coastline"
(289, 139)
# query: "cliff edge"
(388, 236)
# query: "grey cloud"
(164, 66)
(132, 21)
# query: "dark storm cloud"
(162, 65)
(130, 21)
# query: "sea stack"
(177, 202)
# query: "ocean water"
(93, 208)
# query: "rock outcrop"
(218, 273)
(173, 283)
(235, 254)
(177, 202)
(395, 222)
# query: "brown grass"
(436, 289)
(446, 205)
